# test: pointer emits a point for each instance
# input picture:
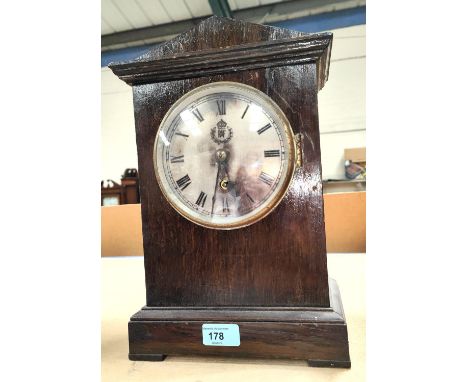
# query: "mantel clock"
(228, 146)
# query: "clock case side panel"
(279, 261)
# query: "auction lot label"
(221, 334)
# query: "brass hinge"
(298, 139)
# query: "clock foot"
(147, 357)
(326, 363)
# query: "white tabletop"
(123, 294)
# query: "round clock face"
(224, 155)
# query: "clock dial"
(224, 155)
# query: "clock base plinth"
(318, 335)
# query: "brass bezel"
(266, 209)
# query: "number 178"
(216, 335)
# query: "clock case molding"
(270, 278)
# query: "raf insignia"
(221, 133)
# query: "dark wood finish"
(272, 270)
(130, 187)
(109, 188)
(293, 51)
(147, 357)
(329, 363)
(127, 192)
(280, 261)
(318, 335)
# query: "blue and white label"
(221, 334)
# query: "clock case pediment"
(203, 51)
(274, 271)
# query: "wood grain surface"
(279, 261)
(313, 48)
(315, 334)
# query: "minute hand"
(215, 189)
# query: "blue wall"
(315, 23)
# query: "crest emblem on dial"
(221, 133)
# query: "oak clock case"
(263, 265)
(224, 155)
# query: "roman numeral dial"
(177, 159)
(266, 178)
(184, 182)
(245, 111)
(271, 153)
(221, 107)
(223, 155)
(263, 129)
(201, 199)
(198, 115)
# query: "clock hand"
(216, 188)
(221, 157)
(230, 183)
(228, 186)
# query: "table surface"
(123, 294)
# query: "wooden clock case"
(270, 278)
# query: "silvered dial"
(224, 155)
